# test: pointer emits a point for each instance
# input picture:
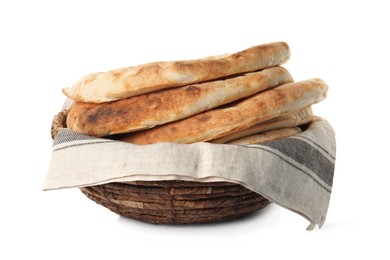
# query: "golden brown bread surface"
(131, 81)
(157, 108)
(267, 136)
(300, 117)
(220, 122)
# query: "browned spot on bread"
(279, 97)
(193, 90)
(173, 129)
(202, 118)
(151, 68)
(116, 74)
(90, 79)
(91, 119)
(120, 112)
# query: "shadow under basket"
(172, 202)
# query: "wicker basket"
(172, 202)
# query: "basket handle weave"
(59, 122)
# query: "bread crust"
(131, 81)
(157, 108)
(220, 122)
(300, 117)
(267, 136)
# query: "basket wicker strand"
(172, 202)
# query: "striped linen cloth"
(295, 173)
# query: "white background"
(48, 45)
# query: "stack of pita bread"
(242, 98)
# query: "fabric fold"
(295, 173)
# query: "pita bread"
(295, 119)
(268, 136)
(157, 108)
(220, 122)
(131, 81)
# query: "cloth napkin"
(295, 173)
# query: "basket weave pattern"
(172, 202)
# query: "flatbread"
(268, 136)
(157, 108)
(295, 119)
(220, 122)
(131, 81)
